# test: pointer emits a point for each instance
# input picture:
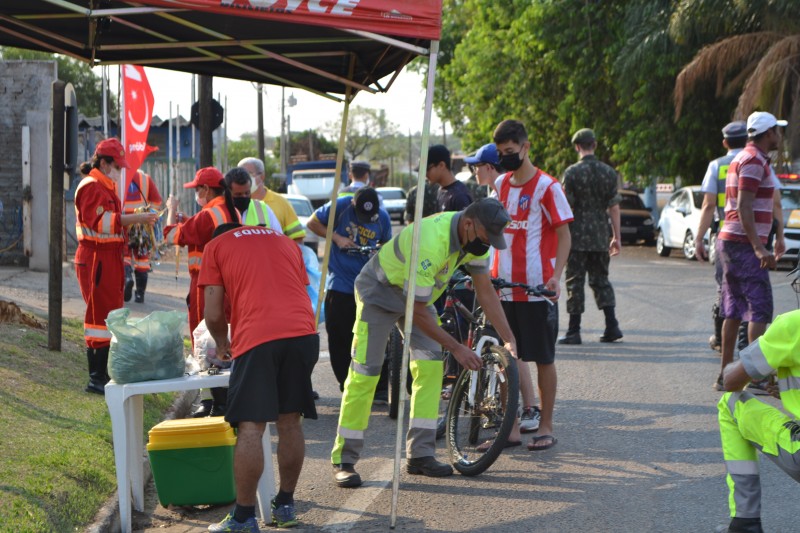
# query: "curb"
(107, 518)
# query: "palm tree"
(754, 51)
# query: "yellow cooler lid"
(191, 433)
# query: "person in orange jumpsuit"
(140, 192)
(99, 224)
(213, 195)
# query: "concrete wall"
(25, 88)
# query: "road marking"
(356, 505)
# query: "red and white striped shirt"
(749, 171)
(536, 209)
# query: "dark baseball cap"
(361, 165)
(583, 136)
(485, 154)
(493, 217)
(367, 203)
(735, 130)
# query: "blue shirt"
(345, 267)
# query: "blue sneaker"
(283, 515)
(228, 524)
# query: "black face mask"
(476, 246)
(511, 161)
(241, 202)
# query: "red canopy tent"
(334, 48)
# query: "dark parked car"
(636, 221)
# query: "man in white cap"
(746, 293)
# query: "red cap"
(206, 176)
(112, 148)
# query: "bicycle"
(484, 402)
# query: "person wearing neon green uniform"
(747, 425)
(447, 240)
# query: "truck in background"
(315, 179)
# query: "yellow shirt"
(285, 213)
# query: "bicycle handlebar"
(538, 290)
(360, 250)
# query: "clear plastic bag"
(205, 348)
(314, 275)
(147, 348)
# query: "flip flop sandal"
(532, 446)
(482, 448)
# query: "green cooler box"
(192, 461)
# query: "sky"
(403, 103)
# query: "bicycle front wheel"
(482, 411)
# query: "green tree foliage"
(366, 129)
(88, 86)
(559, 65)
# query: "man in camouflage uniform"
(430, 204)
(591, 188)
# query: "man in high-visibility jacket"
(283, 210)
(747, 425)
(254, 212)
(446, 241)
(141, 192)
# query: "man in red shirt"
(275, 346)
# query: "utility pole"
(260, 134)
(204, 110)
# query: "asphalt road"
(638, 446)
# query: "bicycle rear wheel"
(482, 408)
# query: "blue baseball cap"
(485, 154)
(735, 130)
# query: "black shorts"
(535, 326)
(273, 378)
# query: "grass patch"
(56, 453)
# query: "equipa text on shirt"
(591, 188)
(344, 267)
(439, 255)
(265, 280)
(536, 209)
(749, 171)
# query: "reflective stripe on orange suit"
(98, 261)
(195, 233)
(140, 187)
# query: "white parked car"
(303, 208)
(394, 201)
(790, 201)
(679, 221)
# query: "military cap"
(583, 136)
(735, 130)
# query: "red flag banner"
(138, 114)
(420, 19)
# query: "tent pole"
(335, 191)
(412, 275)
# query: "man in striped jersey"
(538, 243)
(746, 292)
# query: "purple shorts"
(746, 292)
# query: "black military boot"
(141, 285)
(220, 395)
(573, 335)
(128, 283)
(98, 371)
(612, 332)
(204, 409)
